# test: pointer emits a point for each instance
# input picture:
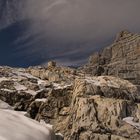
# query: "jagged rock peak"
(121, 58)
(123, 34)
(51, 64)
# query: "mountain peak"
(123, 35)
(121, 58)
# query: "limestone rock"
(121, 59)
(107, 86)
(78, 105)
(51, 64)
(114, 137)
(94, 116)
(56, 102)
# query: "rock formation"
(121, 59)
(78, 105)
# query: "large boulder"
(51, 64)
(107, 86)
(97, 113)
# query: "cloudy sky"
(32, 32)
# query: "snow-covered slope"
(15, 126)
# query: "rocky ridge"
(121, 59)
(78, 105)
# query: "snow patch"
(108, 81)
(3, 79)
(41, 100)
(130, 121)
(59, 86)
(15, 126)
(7, 90)
(41, 82)
(4, 105)
(46, 124)
(19, 87)
(22, 74)
(32, 92)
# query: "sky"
(33, 32)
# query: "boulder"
(51, 64)
(107, 86)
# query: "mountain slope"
(79, 106)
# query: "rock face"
(78, 105)
(121, 59)
(96, 116)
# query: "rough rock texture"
(78, 105)
(121, 59)
(94, 116)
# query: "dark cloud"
(63, 30)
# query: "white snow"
(93, 80)
(130, 121)
(108, 81)
(3, 79)
(41, 100)
(20, 75)
(22, 112)
(41, 82)
(59, 86)
(4, 105)
(23, 74)
(46, 125)
(15, 126)
(32, 92)
(7, 90)
(18, 86)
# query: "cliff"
(121, 59)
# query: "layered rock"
(79, 106)
(95, 116)
(95, 109)
(121, 59)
